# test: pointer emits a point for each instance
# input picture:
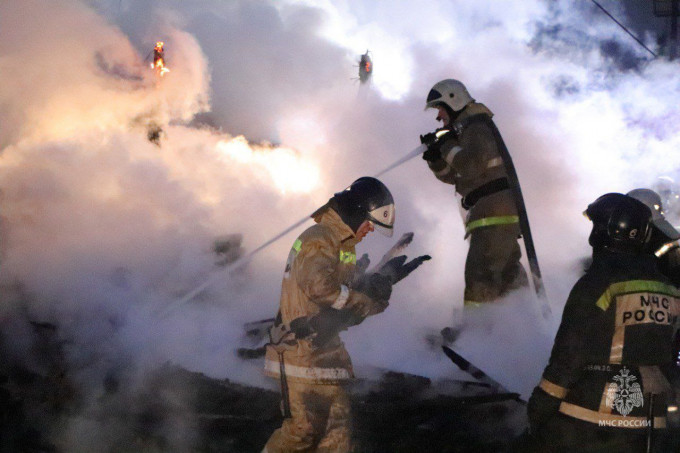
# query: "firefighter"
(469, 158)
(664, 237)
(321, 294)
(607, 381)
(667, 189)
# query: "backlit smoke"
(258, 123)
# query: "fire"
(286, 169)
(368, 66)
(159, 59)
(159, 66)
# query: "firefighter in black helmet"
(321, 295)
(612, 355)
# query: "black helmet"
(620, 223)
(366, 199)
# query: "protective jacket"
(471, 161)
(614, 347)
(319, 286)
(668, 252)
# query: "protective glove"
(541, 408)
(433, 143)
(432, 154)
(362, 264)
(428, 139)
(397, 268)
(328, 323)
(376, 286)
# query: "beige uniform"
(318, 277)
(469, 161)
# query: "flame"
(287, 170)
(158, 60)
(368, 66)
(159, 66)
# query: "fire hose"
(245, 259)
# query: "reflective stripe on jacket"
(318, 276)
(615, 342)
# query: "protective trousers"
(493, 265)
(320, 421)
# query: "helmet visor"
(433, 98)
(382, 219)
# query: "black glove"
(376, 286)
(541, 408)
(328, 323)
(397, 268)
(433, 144)
(428, 139)
(362, 264)
(432, 154)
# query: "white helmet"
(450, 92)
(653, 202)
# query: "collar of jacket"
(613, 259)
(473, 108)
(331, 219)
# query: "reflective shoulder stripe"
(609, 420)
(311, 373)
(553, 389)
(450, 154)
(495, 162)
(633, 286)
(489, 221)
(341, 300)
(297, 245)
(348, 257)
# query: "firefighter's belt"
(484, 190)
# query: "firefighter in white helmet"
(321, 295)
(469, 158)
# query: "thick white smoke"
(103, 229)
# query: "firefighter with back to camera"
(607, 382)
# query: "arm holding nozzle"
(433, 141)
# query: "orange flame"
(158, 62)
(160, 68)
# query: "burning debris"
(159, 59)
(365, 68)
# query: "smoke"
(261, 122)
